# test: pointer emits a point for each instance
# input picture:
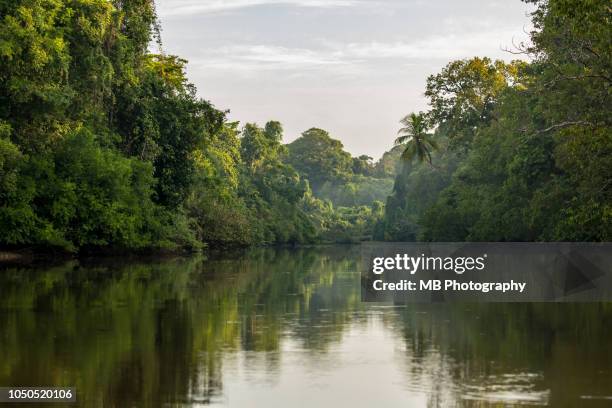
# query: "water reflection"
(287, 328)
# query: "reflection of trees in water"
(474, 355)
(148, 332)
(117, 334)
(144, 333)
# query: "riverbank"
(38, 255)
(25, 256)
(34, 255)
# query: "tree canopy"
(105, 143)
(526, 147)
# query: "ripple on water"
(516, 388)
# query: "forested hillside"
(519, 151)
(105, 144)
(335, 175)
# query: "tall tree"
(320, 158)
(464, 94)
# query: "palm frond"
(405, 130)
(403, 139)
(414, 136)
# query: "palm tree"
(413, 135)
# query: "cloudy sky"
(352, 67)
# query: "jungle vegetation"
(104, 143)
(521, 151)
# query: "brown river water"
(286, 328)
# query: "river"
(286, 328)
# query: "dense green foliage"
(105, 144)
(95, 131)
(525, 148)
(336, 176)
(320, 158)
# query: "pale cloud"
(450, 46)
(350, 57)
(266, 58)
(193, 7)
(283, 57)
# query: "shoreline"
(32, 255)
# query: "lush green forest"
(104, 143)
(515, 151)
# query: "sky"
(351, 67)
